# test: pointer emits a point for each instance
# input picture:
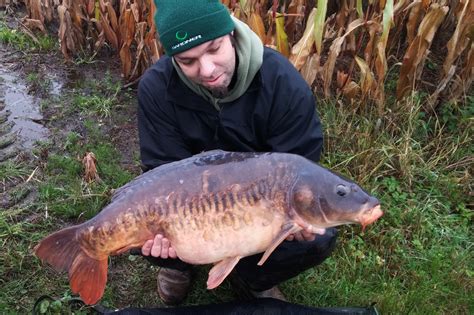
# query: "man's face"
(210, 64)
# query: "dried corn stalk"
(418, 49)
(352, 42)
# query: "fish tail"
(87, 275)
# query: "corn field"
(346, 48)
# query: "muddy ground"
(27, 81)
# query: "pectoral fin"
(220, 271)
(287, 229)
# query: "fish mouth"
(370, 216)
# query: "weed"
(11, 170)
(97, 104)
(22, 41)
(101, 102)
(38, 83)
(13, 37)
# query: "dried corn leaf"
(244, 7)
(281, 37)
(34, 24)
(140, 39)
(367, 81)
(90, 7)
(426, 3)
(369, 51)
(126, 60)
(460, 39)
(102, 6)
(414, 17)
(127, 27)
(236, 12)
(334, 51)
(294, 22)
(48, 10)
(113, 18)
(76, 13)
(341, 78)
(255, 22)
(466, 77)
(124, 5)
(311, 69)
(99, 42)
(135, 11)
(302, 49)
(64, 29)
(35, 11)
(351, 91)
(109, 32)
(90, 170)
(152, 44)
(381, 58)
(418, 49)
(150, 16)
(441, 87)
(226, 3)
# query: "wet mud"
(20, 116)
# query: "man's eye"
(186, 62)
(214, 50)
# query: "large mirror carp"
(215, 208)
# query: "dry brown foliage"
(344, 51)
(89, 162)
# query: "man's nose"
(207, 67)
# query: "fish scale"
(215, 208)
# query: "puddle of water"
(23, 107)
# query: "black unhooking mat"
(265, 306)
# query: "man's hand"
(158, 247)
(302, 236)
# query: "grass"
(21, 41)
(12, 170)
(101, 99)
(417, 259)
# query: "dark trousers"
(289, 259)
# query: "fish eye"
(342, 190)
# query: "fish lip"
(370, 216)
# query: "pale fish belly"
(228, 234)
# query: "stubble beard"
(220, 92)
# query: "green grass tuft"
(21, 41)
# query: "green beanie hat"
(184, 24)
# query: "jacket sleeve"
(159, 135)
(294, 124)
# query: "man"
(219, 88)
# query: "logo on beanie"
(185, 41)
(181, 35)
